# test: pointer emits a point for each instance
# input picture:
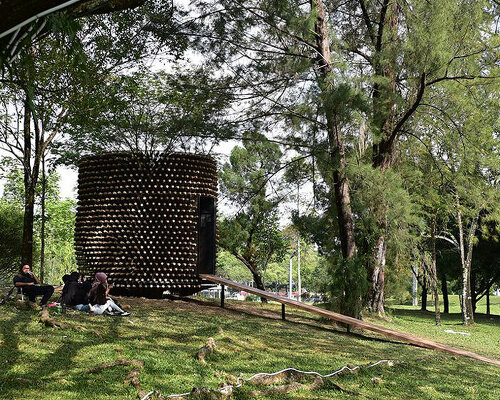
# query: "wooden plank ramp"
(351, 321)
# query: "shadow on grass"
(24, 372)
(10, 347)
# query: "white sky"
(68, 182)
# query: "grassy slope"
(39, 362)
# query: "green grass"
(46, 363)
(483, 337)
(454, 303)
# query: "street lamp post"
(290, 279)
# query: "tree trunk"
(259, 284)
(434, 273)
(42, 233)
(466, 298)
(473, 292)
(383, 117)
(444, 289)
(336, 147)
(29, 191)
(376, 300)
(488, 311)
(423, 307)
(252, 267)
(27, 249)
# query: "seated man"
(27, 282)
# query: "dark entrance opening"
(206, 235)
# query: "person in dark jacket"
(26, 281)
(99, 300)
(75, 293)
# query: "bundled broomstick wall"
(141, 219)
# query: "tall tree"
(461, 138)
(13, 199)
(312, 64)
(37, 94)
(53, 79)
(252, 234)
(279, 54)
(406, 48)
(11, 235)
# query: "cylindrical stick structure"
(147, 221)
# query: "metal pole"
(283, 311)
(222, 295)
(290, 279)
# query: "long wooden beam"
(351, 321)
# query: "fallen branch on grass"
(291, 387)
(49, 322)
(25, 305)
(206, 350)
(264, 378)
(133, 379)
(205, 394)
(52, 323)
(293, 379)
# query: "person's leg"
(117, 308)
(99, 309)
(30, 291)
(114, 306)
(82, 307)
(46, 292)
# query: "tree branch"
(411, 110)
(368, 22)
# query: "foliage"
(147, 111)
(59, 251)
(253, 234)
(11, 234)
(50, 83)
(377, 192)
(14, 189)
(229, 267)
(458, 163)
(353, 91)
(60, 221)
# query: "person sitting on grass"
(75, 293)
(30, 286)
(100, 303)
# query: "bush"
(11, 238)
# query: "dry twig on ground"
(206, 350)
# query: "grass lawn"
(454, 303)
(52, 363)
(483, 337)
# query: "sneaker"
(113, 313)
(124, 314)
